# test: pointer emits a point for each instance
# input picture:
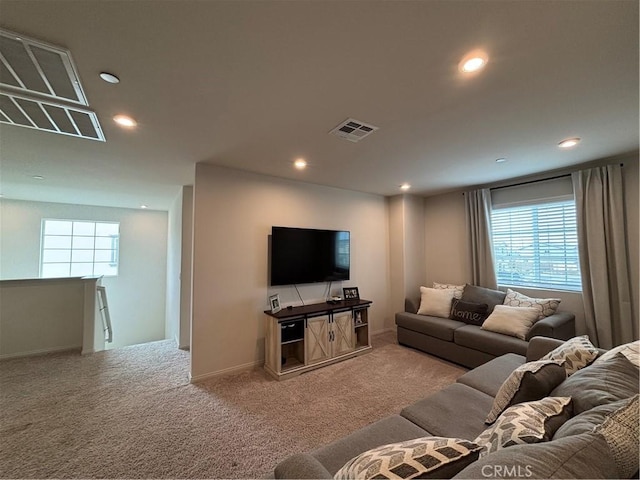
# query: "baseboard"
(226, 371)
(44, 351)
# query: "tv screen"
(302, 255)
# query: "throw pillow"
(528, 382)
(472, 293)
(585, 422)
(426, 457)
(436, 302)
(545, 306)
(469, 312)
(457, 289)
(598, 384)
(529, 422)
(513, 321)
(630, 350)
(574, 354)
(620, 431)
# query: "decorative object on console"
(529, 382)
(529, 422)
(546, 306)
(468, 312)
(351, 293)
(425, 457)
(513, 321)
(574, 354)
(274, 303)
(436, 302)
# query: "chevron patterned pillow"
(529, 422)
(631, 351)
(574, 354)
(426, 457)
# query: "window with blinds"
(537, 245)
(72, 248)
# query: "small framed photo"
(274, 303)
(351, 293)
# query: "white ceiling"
(255, 84)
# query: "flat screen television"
(303, 255)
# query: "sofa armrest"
(540, 346)
(560, 325)
(301, 465)
(411, 305)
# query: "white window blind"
(537, 246)
(73, 248)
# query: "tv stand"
(304, 338)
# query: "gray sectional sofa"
(470, 345)
(460, 409)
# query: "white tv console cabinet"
(303, 338)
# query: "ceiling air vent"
(353, 130)
(40, 89)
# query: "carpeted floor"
(131, 413)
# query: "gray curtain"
(478, 214)
(603, 256)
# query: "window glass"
(537, 246)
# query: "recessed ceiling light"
(473, 61)
(405, 186)
(125, 121)
(501, 160)
(109, 77)
(37, 177)
(143, 206)
(569, 142)
(300, 164)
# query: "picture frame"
(274, 303)
(351, 293)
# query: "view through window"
(537, 246)
(74, 248)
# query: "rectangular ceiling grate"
(353, 130)
(40, 89)
(50, 117)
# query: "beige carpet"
(131, 413)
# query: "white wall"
(233, 215)
(186, 273)
(174, 260)
(136, 296)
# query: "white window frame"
(519, 258)
(115, 247)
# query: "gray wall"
(137, 296)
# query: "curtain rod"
(535, 181)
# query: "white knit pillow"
(513, 321)
(435, 302)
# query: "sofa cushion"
(514, 321)
(585, 422)
(469, 312)
(441, 328)
(575, 353)
(427, 457)
(620, 431)
(630, 350)
(545, 306)
(528, 422)
(580, 456)
(529, 382)
(390, 429)
(475, 294)
(488, 378)
(457, 289)
(436, 302)
(496, 344)
(604, 382)
(456, 411)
